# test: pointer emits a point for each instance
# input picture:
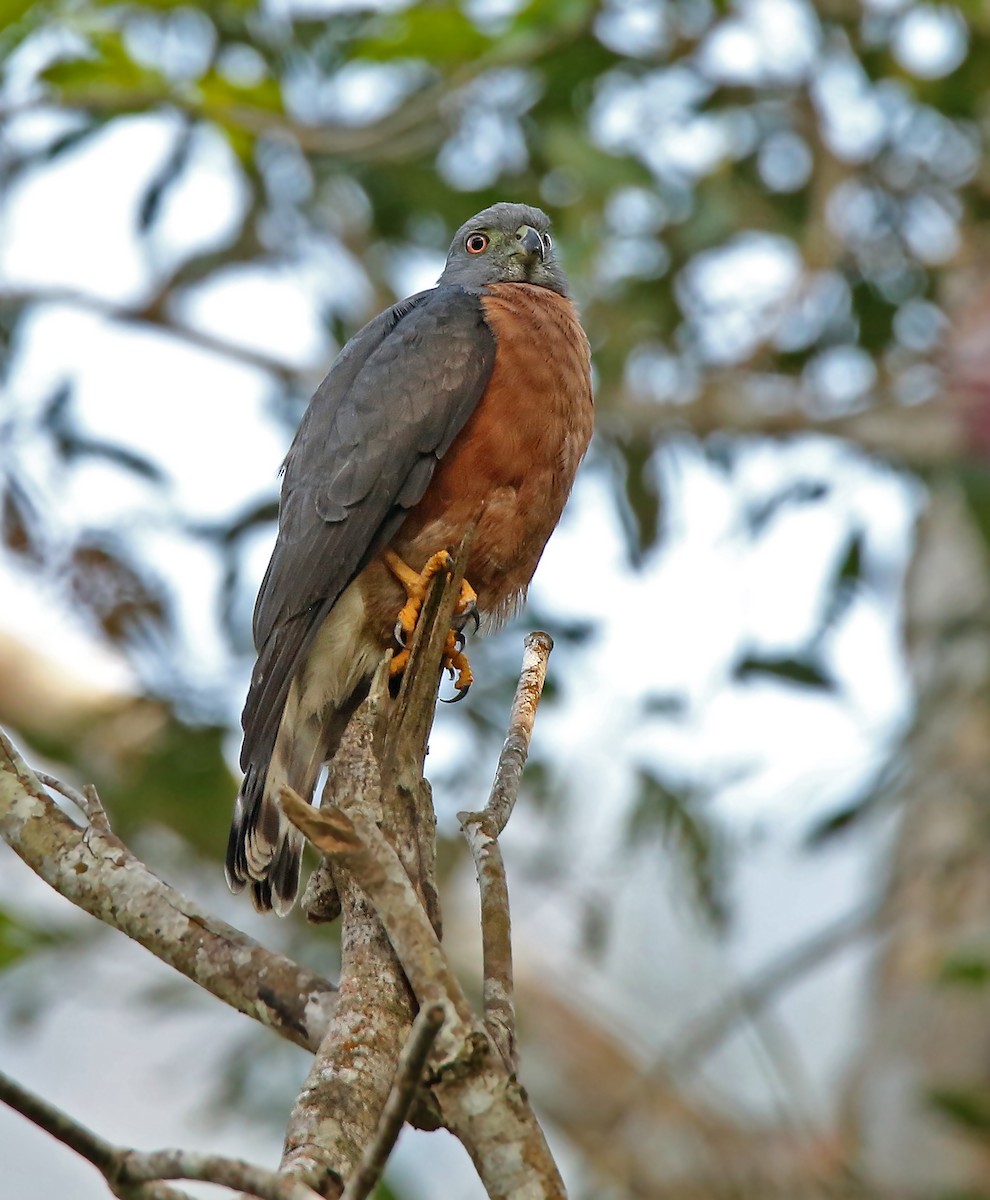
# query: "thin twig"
(496, 937)
(515, 751)
(481, 829)
(90, 1146)
(86, 800)
(126, 1169)
(408, 1078)
(137, 1168)
(59, 1124)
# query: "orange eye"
(476, 243)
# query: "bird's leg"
(416, 584)
(454, 659)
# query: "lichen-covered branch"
(376, 782)
(408, 1079)
(338, 1110)
(95, 870)
(376, 832)
(480, 1100)
(482, 829)
(133, 1173)
(374, 864)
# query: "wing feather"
(392, 403)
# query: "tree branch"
(379, 833)
(478, 1096)
(155, 316)
(86, 800)
(482, 830)
(96, 871)
(338, 1110)
(515, 750)
(130, 1172)
(408, 1079)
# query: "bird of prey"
(472, 397)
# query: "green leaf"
(969, 1107)
(11, 11)
(106, 70)
(20, 938)
(967, 970)
(219, 93)
(793, 670)
(975, 483)
(675, 815)
(437, 33)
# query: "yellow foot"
(416, 585)
(455, 661)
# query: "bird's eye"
(477, 243)
(548, 241)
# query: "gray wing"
(392, 403)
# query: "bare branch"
(136, 1168)
(132, 1171)
(155, 316)
(383, 869)
(86, 800)
(97, 872)
(339, 1107)
(59, 1124)
(481, 829)
(408, 1078)
(381, 876)
(375, 779)
(496, 939)
(515, 750)
(481, 1102)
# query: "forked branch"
(370, 841)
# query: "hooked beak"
(530, 242)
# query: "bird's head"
(507, 243)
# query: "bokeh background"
(751, 867)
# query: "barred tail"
(264, 849)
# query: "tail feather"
(264, 849)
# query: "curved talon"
(415, 584)
(461, 693)
(469, 612)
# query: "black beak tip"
(531, 241)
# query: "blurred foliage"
(969, 1108)
(20, 937)
(763, 207)
(756, 202)
(678, 815)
